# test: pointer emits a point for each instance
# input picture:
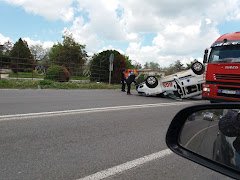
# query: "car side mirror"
(208, 135)
(205, 57)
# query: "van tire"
(198, 68)
(151, 81)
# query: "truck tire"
(151, 81)
(198, 68)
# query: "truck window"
(225, 54)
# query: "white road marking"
(127, 166)
(91, 110)
(195, 135)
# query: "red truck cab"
(222, 76)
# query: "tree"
(190, 64)
(4, 58)
(38, 52)
(152, 65)
(22, 58)
(128, 61)
(177, 66)
(99, 66)
(6, 48)
(70, 54)
(146, 65)
(137, 66)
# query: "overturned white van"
(185, 84)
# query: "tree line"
(73, 56)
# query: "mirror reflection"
(214, 134)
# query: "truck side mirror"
(205, 58)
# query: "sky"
(161, 31)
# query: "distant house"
(151, 72)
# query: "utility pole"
(1, 52)
(111, 58)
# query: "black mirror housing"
(176, 127)
(205, 57)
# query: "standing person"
(123, 80)
(129, 81)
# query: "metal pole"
(1, 69)
(111, 58)
(1, 60)
(110, 73)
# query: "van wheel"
(197, 68)
(151, 81)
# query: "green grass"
(79, 78)
(18, 84)
(35, 75)
(26, 75)
(47, 84)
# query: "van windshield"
(225, 54)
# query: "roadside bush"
(58, 73)
(48, 84)
(45, 82)
(140, 78)
(18, 84)
(14, 68)
(99, 66)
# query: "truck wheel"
(197, 68)
(151, 81)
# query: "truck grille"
(233, 77)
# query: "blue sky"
(229, 26)
(23, 24)
(145, 31)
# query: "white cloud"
(132, 37)
(103, 25)
(234, 9)
(104, 22)
(84, 34)
(4, 39)
(103, 18)
(143, 54)
(175, 43)
(45, 44)
(52, 9)
(183, 28)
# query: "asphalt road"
(200, 137)
(82, 143)
(29, 101)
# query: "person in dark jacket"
(229, 125)
(129, 81)
(123, 80)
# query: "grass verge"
(36, 75)
(26, 75)
(47, 84)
